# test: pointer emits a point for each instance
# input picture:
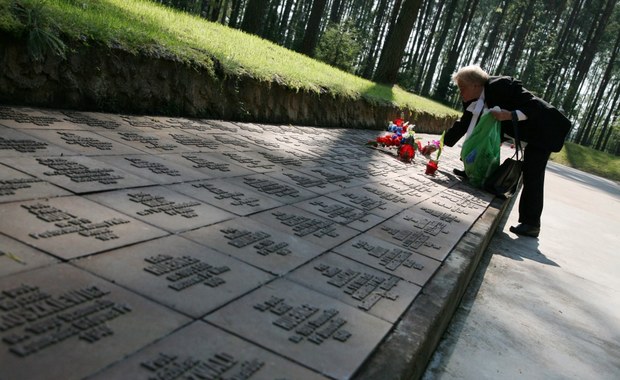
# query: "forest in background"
(565, 51)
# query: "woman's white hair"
(472, 74)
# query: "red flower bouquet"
(401, 136)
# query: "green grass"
(143, 27)
(589, 160)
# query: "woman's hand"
(500, 114)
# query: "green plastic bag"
(480, 152)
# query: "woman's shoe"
(460, 173)
(525, 230)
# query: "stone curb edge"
(408, 348)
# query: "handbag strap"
(515, 125)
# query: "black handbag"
(506, 179)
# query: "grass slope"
(589, 160)
(144, 27)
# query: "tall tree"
(454, 52)
(587, 53)
(394, 47)
(445, 30)
(255, 13)
(312, 28)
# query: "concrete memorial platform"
(138, 247)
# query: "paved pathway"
(546, 308)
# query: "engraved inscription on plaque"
(86, 142)
(345, 214)
(196, 141)
(7, 113)
(259, 240)
(306, 321)
(303, 226)
(159, 204)
(366, 288)
(249, 162)
(199, 162)
(10, 186)
(409, 238)
(150, 142)
(443, 216)
(32, 320)
(71, 224)
(154, 167)
(390, 259)
(306, 181)
(271, 187)
(236, 198)
(185, 271)
(281, 160)
(365, 202)
(221, 365)
(80, 118)
(386, 195)
(23, 146)
(78, 172)
(431, 227)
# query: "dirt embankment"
(112, 80)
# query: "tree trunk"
(311, 36)
(394, 48)
(255, 13)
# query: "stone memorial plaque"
(70, 227)
(27, 118)
(162, 207)
(380, 170)
(83, 142)
(16, 257)
(179, 273)
(283, 192)
(149, 142)
(421, 233)
(203, 351)
(202, 143)
(17, 186)
(214, 165)
(390, 258)
(14, 143)
(334, 175)
(220, 126)
(383, 206)
(260, 245)
(147, 123)
(454, 207)
(263, 142)
(348, 154)
(341, 213)
(290, 159)
(306, 225)
(315, 184)
(419, 187)
(60, 322)
(78, 174)
(315, 330)
(255, 163)
(154, 168)
(94, 121)
(227, 196)
(377, 293)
